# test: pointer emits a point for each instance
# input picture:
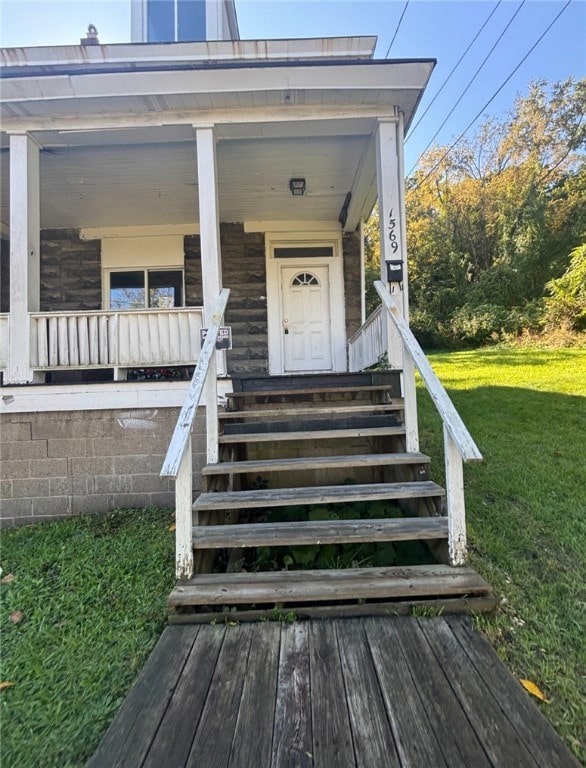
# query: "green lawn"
(526, 510)
(92, 589)
(92, 595)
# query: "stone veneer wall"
(56, 464)
(71, 277)
(351, 247)
(244, 272)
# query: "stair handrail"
(178, 461)
(188, 411)
(452, 420)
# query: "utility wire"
(397, 30)
(492, 98)
(443, 85)
(474, 76)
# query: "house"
(138, 181)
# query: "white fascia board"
(200, 118)
(106, 396)
(133, 54)
(397, 76)
(154, 230)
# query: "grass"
(526, 510)
(91, 591)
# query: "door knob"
(285, 326)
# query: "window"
(146, 289)
(176, 21)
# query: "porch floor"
(385, 691)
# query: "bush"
(566, 305)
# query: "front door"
(306, 318)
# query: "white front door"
(306, 318)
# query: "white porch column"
(211, 269)
(25, 284)
(393, 246)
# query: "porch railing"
(108, 339)
(369, 343)
(459, 446)
(178, 461)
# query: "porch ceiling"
(155, 182)
(118, 147)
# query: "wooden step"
(314, 463)
(322, 585)
(340, 421)
(309, 381)
(319, 532)
(319, 410)
(311, 434)
(285, 497)
(263, 393)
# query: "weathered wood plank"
(174, 737)
(292, 738)
(332, 739)
(535, 730)
(415, 740)
(346, 584)
(318, 410)
(499, 739)
(315, 462)
(323, 494)
(129, 738)
(457, 740)
(405, 607)
(317, 434)
(262, 393)
(253, 735)
(319, 532)
(373, 740)
(213, 738)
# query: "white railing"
(459, 446)
(111, 339)
(4, 320)
(178, 461)
(369, 343)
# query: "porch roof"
(116, 126)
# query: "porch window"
(146, 289)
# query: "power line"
(397, 30)
(474, 76)
(443, 85)
(492, 98)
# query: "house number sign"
(393, 232)
(224, 340)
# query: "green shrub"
(566, 305)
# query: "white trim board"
(99, 397)
(154, 230)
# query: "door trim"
(274, 298)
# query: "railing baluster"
(183, 515)
(455, 501)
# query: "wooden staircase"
(318, 447)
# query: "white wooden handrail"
(178, 461)
(187, 415)
(452, 420)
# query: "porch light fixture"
(297, 187)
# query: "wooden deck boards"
(390, 691)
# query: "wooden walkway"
(372, 692)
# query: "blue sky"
(430, 28)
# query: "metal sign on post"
(224, 340)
